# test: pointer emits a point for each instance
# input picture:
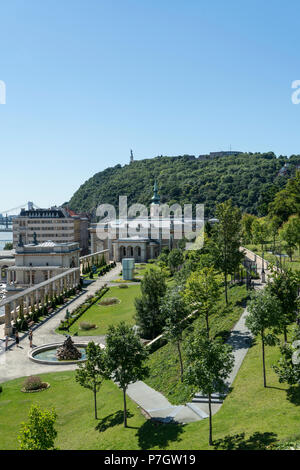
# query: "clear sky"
(87, 80)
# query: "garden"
(100, 314)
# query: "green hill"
(251, 180)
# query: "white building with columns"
(38, 262)
(149, 235)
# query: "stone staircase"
(216, 398)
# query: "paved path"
(158, 407)
(15, 363)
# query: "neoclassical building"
(141, 238)
(38, 262)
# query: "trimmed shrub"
(109, 301)
(33, 383)
(87, 326)
(123, 286)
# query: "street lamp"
(263, 274)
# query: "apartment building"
(57, 224)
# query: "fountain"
(68, 351)
(59, 353)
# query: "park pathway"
(15, 363)
(158, 407)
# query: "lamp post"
(263, 274)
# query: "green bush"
(65, 325)
(33, 382)
(109, 301)
(87, 326)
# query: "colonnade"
(35, 296)
(93, 258)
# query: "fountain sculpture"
(68, 351)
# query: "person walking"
(17, 338)
(30, 336)
(6, 342)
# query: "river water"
(4, 238)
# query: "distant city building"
(283, 171)
(57, 224)
(38, 262)
(219, 154)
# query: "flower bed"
(34, 384)
(65, 324)
(24, 321)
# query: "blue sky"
(89, 80)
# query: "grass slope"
(164, 363)
(251, 417)
(102, 316)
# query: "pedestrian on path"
(6, 342)
(30, 336)
(17, 338)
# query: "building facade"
(57, 224)
(141, 238)
(38, 262)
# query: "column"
(42, 296)
(32, 301)
(15, 311)
(8, 327)
(143, 253)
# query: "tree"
(148, 315)
(202, 292)
(175, 260)
(287, 201)
(290, 234)
(247, 221)
(174, 311)
(274, 225)
(283, 285)
(227, 240)
(288, 366)
(125, 358)
(91, 373)
(39, 432)
(209, 365)
(264, 314)
(8, 246)
(260, 232)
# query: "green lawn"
(102, 316)
(264, 415)
(294, 265)
(164, 363)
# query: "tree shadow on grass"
(258, 441)
(293, 395)
(155, 434)
(112, 420)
